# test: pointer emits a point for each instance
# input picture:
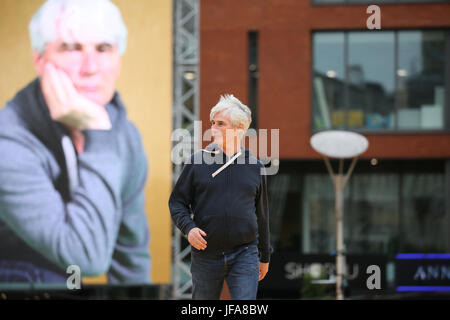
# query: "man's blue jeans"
(240, 268)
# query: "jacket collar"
(213, 148)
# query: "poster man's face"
(93, 67)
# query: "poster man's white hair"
(82, 21)
(239, 113)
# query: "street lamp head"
(339, 143)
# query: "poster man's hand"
(69, 107)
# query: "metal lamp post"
(341, 145)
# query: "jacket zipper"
(226, 208)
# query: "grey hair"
(239, 113)
(100, 19)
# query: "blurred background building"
(302, 66)
(311, 65)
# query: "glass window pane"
(372, 1)
(340, 2)
(421, 1)
(319, 218)
(385, 212)
(371, 216)
(424, 227)
(284, 209)
(420, 74)
(329, 1)
(371, 77)
(253, 77)
(328, 78)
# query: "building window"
(391, 207)
(253, 74)
(370, 90)
(379, 80)
(420, 79)
(369, 2)
(371, 211)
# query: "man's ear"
(39, 63)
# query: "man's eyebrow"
(105, 43)
(104, 46)
(65, 44)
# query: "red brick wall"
(285, 28)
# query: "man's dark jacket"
(231, 208)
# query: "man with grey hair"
(229, 232)
(73, 168)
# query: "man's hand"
(195, 238)
(69, 107)
(263, 269)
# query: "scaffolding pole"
(185, 114)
